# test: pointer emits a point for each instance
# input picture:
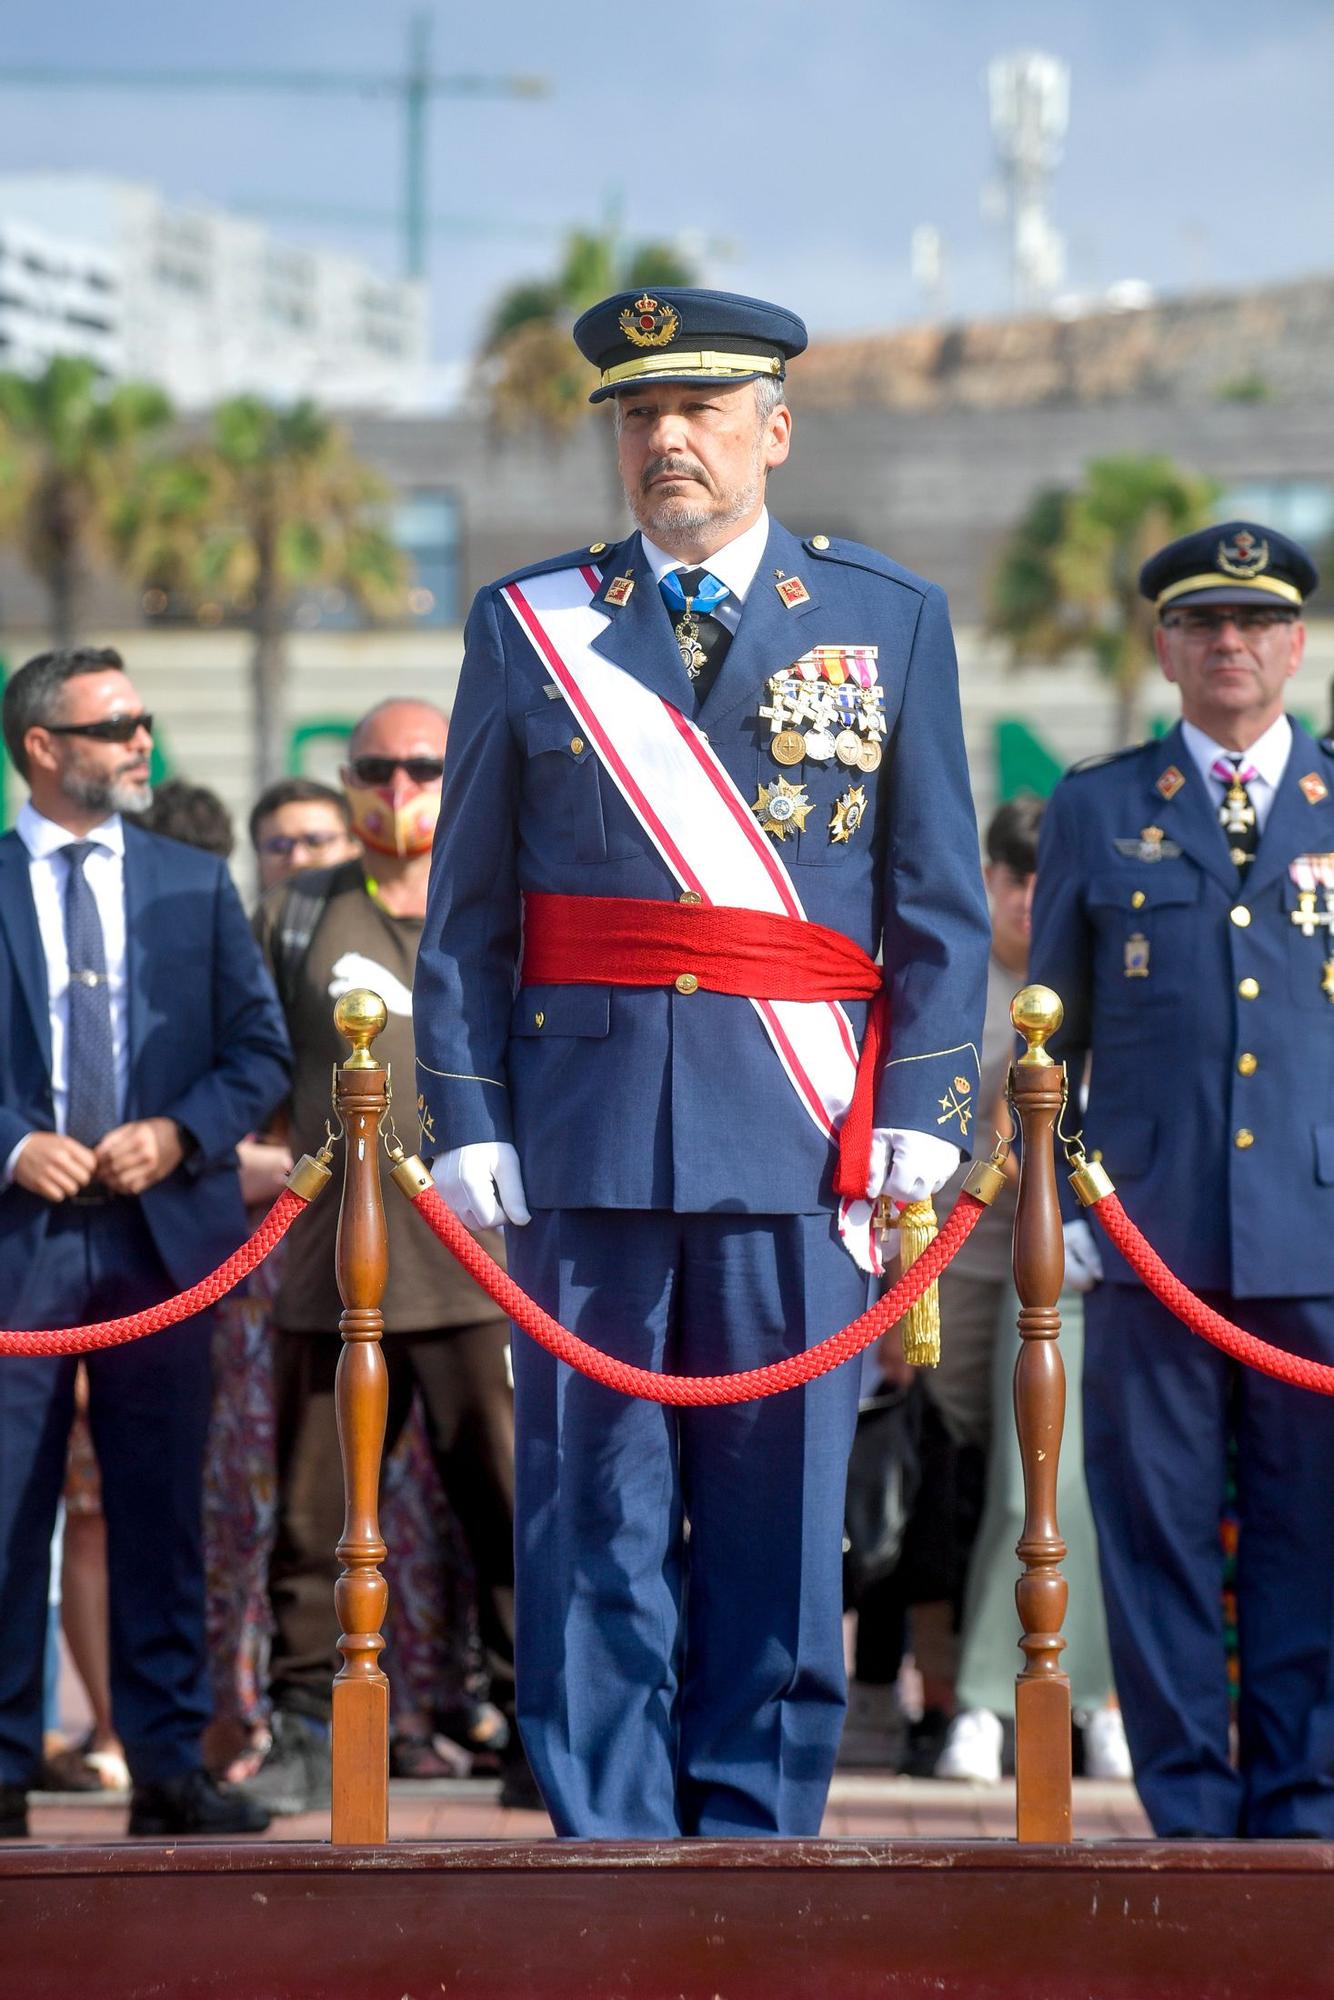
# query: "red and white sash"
(704, 831)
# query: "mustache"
(684, 468)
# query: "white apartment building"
(204, 303)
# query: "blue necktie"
(692, 595)
(90, 1110)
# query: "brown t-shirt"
(357, 942)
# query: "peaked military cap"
(1238, 562)
(685, 335)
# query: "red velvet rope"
(1144, 1260)
(115, 1332)
(746, 1384)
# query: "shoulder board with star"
(598, 553)
(854, 555)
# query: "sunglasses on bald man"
(380, 770)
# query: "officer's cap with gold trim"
(711, 338)
(1239, 562)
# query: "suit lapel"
(18, 917)
(1187, 815)
(769, 636)
(638, 636)
(1294, 825)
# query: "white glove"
(909, 1166)
(1083, 1260)
(482, 1184)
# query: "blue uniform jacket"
(650, 1099)
(208, 1045)
(1206, 1014)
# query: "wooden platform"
(790, 1920)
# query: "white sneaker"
(1106, 1753)
(972, 1748)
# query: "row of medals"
(826, 706)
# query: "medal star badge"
(848, 815)
(648, 324)
(782, 808)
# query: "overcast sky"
(798, 141)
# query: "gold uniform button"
(1137, 900)
(576, 745)
(1249, 989)
(686, 982)
(1247, 1064)
(819, 541)
(1244, 1139)
(690, 896)
(596, 548)
(1240, 915)
(539, 1020)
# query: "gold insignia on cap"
(618, 590)
(1313, 788)
(1170, 783)
(793, 592)
(1243, 556)
(782, 808)
(648, 324)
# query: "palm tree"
(72, 455)
(1067, 580)
(527, 363)
(274, 503)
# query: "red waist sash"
(753, 954)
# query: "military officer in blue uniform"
(1185, 913)
(669, 1194)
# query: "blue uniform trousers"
(678, 1581)
(149, 1411)
(1158, 1404)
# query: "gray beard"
(106, 795)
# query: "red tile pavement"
(864, 1806)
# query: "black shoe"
(481, 1729)
(518, 1786)
(193, 1804)
(13, 1812)
(926, 1740)
(297, 1772)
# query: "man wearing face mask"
(324, 932)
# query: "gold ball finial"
(359, 1017)
(1037, 1013)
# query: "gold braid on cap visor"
(693, 364)
(1215, 580)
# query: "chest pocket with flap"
(1144, 918)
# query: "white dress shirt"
(734, 564)
(1269, 754)
(104, 872)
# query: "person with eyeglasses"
(324, 932)
(299, 823)
(140, 1040)
(1184, 912)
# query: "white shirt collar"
(43, 838)
(734, 564)
(1269, 753)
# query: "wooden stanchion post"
(1042, 1690)
(361, 1689)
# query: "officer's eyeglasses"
(1204, 624)
(281, 846)
(113, 729)
(380, 770)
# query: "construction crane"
(415, 87)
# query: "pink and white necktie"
(1236, 815)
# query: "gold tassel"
(916, 1224)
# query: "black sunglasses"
(380, 770)
(114, 729)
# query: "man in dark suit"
(1185, 914)
(140, 1039)
(711, 727)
